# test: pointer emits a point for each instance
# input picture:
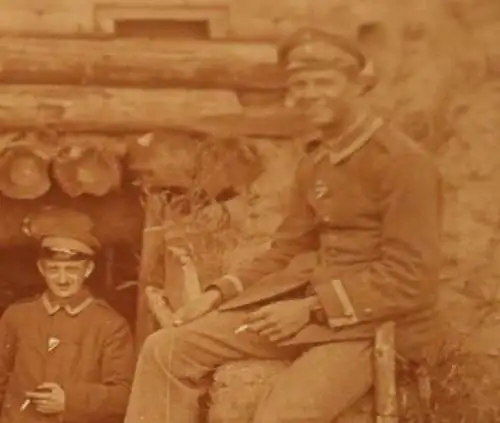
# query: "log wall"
(91, 108)
(140, 63)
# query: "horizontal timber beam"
(74, 108)
(138, 62)
(117, 111)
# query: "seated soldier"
(365, 208)
(65, 356)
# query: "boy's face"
(324, 95)
(65, 278)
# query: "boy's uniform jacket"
(82, 345)
(364, 228)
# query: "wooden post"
(181, 276)
(150, 266)
(385, 374)
(110, 260)
(181, 285)
(181, 282)
(161, 312)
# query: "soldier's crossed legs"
(175, 366)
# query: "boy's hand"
(48, 398)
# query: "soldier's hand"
(280, 320)
(48, 398)
(198, 307)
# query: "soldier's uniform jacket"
(364, 225)
(82, 345)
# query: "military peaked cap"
(310, 47)
(64, 234)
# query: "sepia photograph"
(250, 211)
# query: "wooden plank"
(181, 282)
(185, 285)
(160, 311)
(139, 62)
(181, 278)
(275, 122)
(386, 403)
(173, 288)
(25, 106)
(18, 19)
(101, 127)
(150, 268)
(109, 260)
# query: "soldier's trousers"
(175, 365)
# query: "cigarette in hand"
(242, 328)
(25, 404)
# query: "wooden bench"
(250, 378)
(237, 387)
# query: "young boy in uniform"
(65, 356)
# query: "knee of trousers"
(167, 349)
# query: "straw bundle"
(239, 386)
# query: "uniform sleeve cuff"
(230, 286)
(336, 303)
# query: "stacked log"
(117, 111)
(108, 85)
(74, 108)
(139, 63)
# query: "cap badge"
(320, 188)
(53, 344)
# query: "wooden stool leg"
(386, 405)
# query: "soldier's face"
(322, 94)
(65, 278)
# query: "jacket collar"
(350, 141)
(73, 306)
